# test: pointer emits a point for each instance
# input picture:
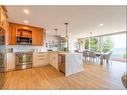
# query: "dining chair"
(76, 50)
(92, 56)
(107, 57)
(86, 55)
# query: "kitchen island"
(67, 62)
(70, 63)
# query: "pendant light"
(56, 35)
(66, 35)
(66, 38)
(56, 31)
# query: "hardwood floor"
(93, 77)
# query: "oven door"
(24, 59)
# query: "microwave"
(24, 41)
(2, 37)
(2, 40)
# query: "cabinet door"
(37, 37)
(34, 37)
(10, 61)
(7, 32)
(3, 18)
(50, 57)
(53, 59)
(0, 15)
(12, 34)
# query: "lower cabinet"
(10, 61)
(53, 59)
(40, 59)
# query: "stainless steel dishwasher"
(61, 62)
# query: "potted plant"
(124, 80)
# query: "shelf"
(24, 33)
(24, 36)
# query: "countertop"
(69, 53)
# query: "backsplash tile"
(17, 48)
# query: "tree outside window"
(107, 44)
(93, 44)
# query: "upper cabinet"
(4, 25)
(33, 35)
(14, 34)
(3, 17)
(38, 36)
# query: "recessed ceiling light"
(25, 21)
(26, 11)
(101, 24)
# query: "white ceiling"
(82, 19)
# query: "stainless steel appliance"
(24, 60)
(2, 36)
(61, 62)
(2, 58)
(2, 69)
(2, 62)
(24, 41)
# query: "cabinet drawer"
(41, 56)
(40, 59)
(40, 62)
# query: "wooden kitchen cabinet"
(38, 37)
(4, 24)
(7, 33)
(23, 31)
(3, 17)
(12, 34)
(19, 30)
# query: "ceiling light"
(25, 21)
(26, 11)
(101, 24)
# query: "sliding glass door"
(106, 43)
(91, 44)
(117, 44)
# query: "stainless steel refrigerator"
(2, 59)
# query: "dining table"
(98, 54)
